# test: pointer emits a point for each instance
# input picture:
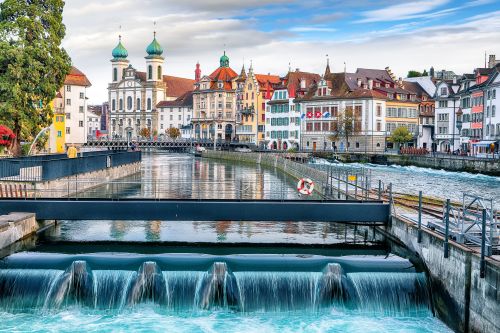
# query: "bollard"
(447, 229)
(482, 263)
(419, 233)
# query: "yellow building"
(254, 90)
(57, 136)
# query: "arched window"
(115, 74)
(138, 104)
(113, 105)
(149, 103)
(159, 72)
(121, 104)
(150, 72)
(129, 103)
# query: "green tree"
(401, 135)
(347, 125)
(33, 65)
(414, 74)
(424, 73)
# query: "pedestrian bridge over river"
(354, 212)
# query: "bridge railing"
(50, 167)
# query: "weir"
(189, 288)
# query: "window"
(379, 126)
(113, 105)
(379, 110)
(150, 72)
(180, 117)
(444, 91)
(326, 127)
(317, 127)
(115, 74)
(121, 104)
(159, 72)
(493, 110)
(68, 88)
(68, 130)
(68, 116)
(59, 134)
(171, 117)
(68, 101)
(80, 109)
(129, 103)
(309, 127)
(138, 107)
(149, 104)
(82, 95)
(80, 123)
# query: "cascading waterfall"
(388, 293)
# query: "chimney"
(400, 81)
(359, 82)
(492, 61)
(370, 84)
(297, 69)
(302, 83)
(454, 80)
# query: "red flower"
(6, 135)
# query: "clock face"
(129, 84)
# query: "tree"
(414, 74)
(401, 135)
(145, 132)
(173, 133)
(33, 65)
(347, 125)
(424, 73)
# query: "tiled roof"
(185, 100)
(264, 78)
(177, 86)
(76, 78)
(225, 74)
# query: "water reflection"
(182, 176)
(207, 231)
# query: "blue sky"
(404, 35)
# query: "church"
(134, 95)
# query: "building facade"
(133, 95)
(214, 104)
(343, 112)
(93, 125)
(175, 114)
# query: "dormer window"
(220, 85)
(444, 91)
(387, 85)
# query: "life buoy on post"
(305, 186)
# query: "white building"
(134, 95)
(93, 124)
(74, 96)
(282, 121)
(447, 104)
(176, 114)
(335, 94)
(492, 106)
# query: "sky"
(275, 35)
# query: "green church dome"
(224, 60)
(154, 49)
(120, 52)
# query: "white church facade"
(133, 95)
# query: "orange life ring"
(305, 186)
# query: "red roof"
(223, 74)
(264, 78)
(177, 86)
(76, 78)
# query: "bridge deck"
(355, 212)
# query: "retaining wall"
(473, 165)
(16, 226)
(462, 299)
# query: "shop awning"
(483, 143)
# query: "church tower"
(197, 73)
(119, 61)
(154, 61)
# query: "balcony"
(248, 111)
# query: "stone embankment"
(16, 226)
(450, 163)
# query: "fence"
(50, 167)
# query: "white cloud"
(312, 29)
(402, 11)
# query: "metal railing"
(50, 167)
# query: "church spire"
(327, 70)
